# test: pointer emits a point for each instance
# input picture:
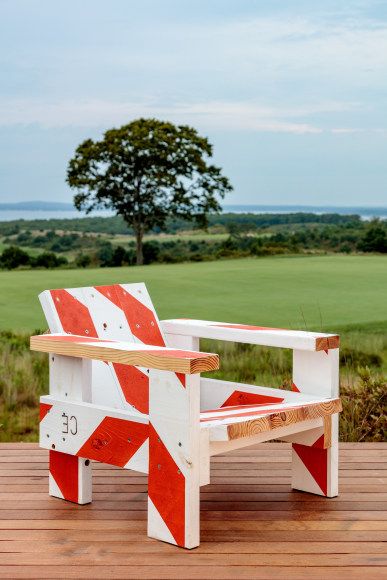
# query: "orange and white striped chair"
(125, 389)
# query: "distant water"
(364, 212)
(9, 215)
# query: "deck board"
(252, 524)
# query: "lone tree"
(148, 171)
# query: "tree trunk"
(139, 255)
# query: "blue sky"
(291, 93)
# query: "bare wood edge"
(327, 424)
(327, 342)
(284, 418)
(204, 363)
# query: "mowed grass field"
(315, 293)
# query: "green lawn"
(329, 292)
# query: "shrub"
(357, 358)
(83, 260)
(375, 239)
(13, 257)
(48, 260)
(364, 415)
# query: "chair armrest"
(155, 357)
(280, 337)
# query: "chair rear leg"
(70, 477)
(314, 468)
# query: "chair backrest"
(117, 312)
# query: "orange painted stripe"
(245, 398)
(166, 487)
(114, 441)
(64, 469)
(74, 316)
(220, 416)
(43, 410)
(315, 461)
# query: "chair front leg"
(174, 458)
(70, 477)
(314, 460)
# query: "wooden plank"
(280, 337)
(115, 436)
(142, 355)
(282, 418)
(252, 524)
(170, 572)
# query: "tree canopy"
(148, 171)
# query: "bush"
(375, 239)
(364, 415)
(13, 257)
(357, 358)
(82, 260)
(151, 251)
(48, 260)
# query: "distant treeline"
(116, 225)
(100, 252)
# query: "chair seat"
(249, 420)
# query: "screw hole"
(53, 446)
(179, 443)
(87, 462)
(48, 435)
(65, 394)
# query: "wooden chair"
(125, 389)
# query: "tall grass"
(24, 377)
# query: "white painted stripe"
(225, 331)
(156, 525)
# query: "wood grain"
(282, 419)
(160, 358)
(253, 525)
(327, 342)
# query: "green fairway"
(329, 292)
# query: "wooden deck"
(252, 525)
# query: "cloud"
(224, 115)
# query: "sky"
(292, 93)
